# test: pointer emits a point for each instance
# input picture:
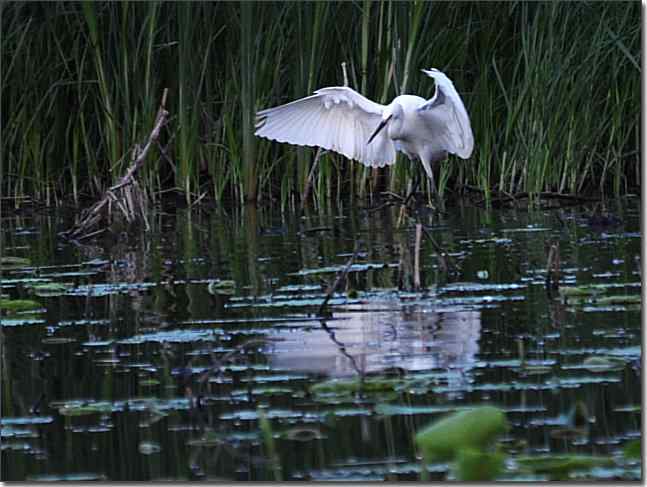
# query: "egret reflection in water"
(376, 338)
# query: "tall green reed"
(552, 90)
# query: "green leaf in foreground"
(472, 465)
(473, 429)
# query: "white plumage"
(341, 120)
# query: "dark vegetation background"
(552, 88)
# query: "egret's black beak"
(379, 127)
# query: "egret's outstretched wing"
(446, 116)
(336, 118)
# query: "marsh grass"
(552, 90)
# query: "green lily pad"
(50, 289)
(618, 299)
(349, 386)
(149, 447)
(473, 429)
(9, 262)
(571, 291)
(632, 449)
(75, 408)
(221, 287)
(209, 439)
(473, 465)
(559, 466)
(302, 434)
(17, 305)
(603, 364)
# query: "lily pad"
(221, 287)
(17, 305)
(559, 466)
(472, 429)
(76, 408)
(603, 364)
(50, 289)
(10, 262)
(618, 299)
(209, 439)
(349, 386)
(632, 449)
(572, 291)
(149, 447)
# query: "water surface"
(161, 353)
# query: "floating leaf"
(536, 369)
(618, 299)
(348, 386)
(50, 289)
(571, 291)
(209, 439)
(221, 287)
(603, 364)
(16, 305)
(77, 408)
(482, 274)
(559, 466)
(472, 465)
(149, 448)
(302, 434)
(475, 428)
(57, 340)
(632, 449)
(9, 262)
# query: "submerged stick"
(553, 267)
(416, 257)
(341, 276)
(444, 259)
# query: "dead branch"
(311, 174)
(444, 259)
(553, 267)
(126, 194)
(416, 266)
(341, 276)
(503, 197)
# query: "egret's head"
(387, 114)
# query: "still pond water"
(162, 355)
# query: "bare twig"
(311, 175)
(553, 267)
(122, 193)
(340, 278)
(445, 260)
(416, 257)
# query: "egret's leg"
(430, 172)
(414, 188)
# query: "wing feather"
(335, 118)
(446, 115)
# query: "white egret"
(339, 119)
